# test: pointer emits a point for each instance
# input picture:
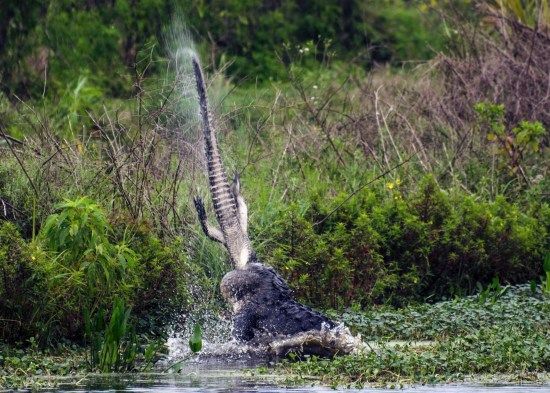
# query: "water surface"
(225, 380)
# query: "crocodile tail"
(236, 240)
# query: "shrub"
(508, 66)
(22, 286)
(86, 271)
(402, 247)
(90, 267)
(169, 281)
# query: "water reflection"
(226, 380)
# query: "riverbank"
(498, 336)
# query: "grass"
(506, 335)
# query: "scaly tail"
(236, 239)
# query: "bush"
(79, 266)
(170, 282)
(399, 248)
(22, 286)
(507, 66)
(86, 270)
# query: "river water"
(226, 381)
(239, 374)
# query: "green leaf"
(73, 229)
(195, 342)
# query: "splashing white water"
(219, 347)
(180, 92)
(215, 332)
(184, 126)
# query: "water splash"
(216, 331)
(220, 348)
(183, 123)
(218, 345)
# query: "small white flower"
(315, 87)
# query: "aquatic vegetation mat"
(507, 334)
(36, 369)
(508, 307)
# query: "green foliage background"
(80, 78)
(102, 40)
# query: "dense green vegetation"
(370, 250)
(371, 183)
(66, 40)
(47, 291)
(504, 334)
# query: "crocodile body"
(264, 310)
(263, 305)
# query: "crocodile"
(263, 307)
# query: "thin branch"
(363, 186)
(4, 135)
